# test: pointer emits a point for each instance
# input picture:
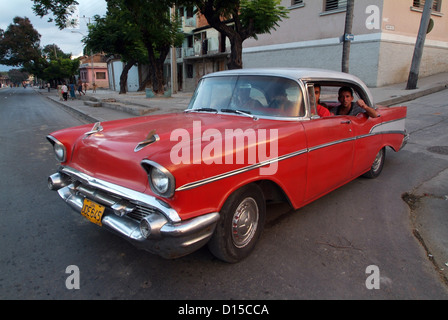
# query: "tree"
(20, 47)
(61, 69)
(159, 32)
(115, 34)
(59, 8)
(20, 43)
(53, 52)
(17, 76)
(239, 20)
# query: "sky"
(66, 40)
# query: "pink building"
(93, 69)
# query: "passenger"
(348, 107)
(279, 99)
(321, 110)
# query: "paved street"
(321, 251)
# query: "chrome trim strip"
(130, 194)
(199, 183)
(329, 144)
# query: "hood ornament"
(96, 128)
(150, 139)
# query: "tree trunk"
(157, 83)
(236, 54)
(145, 82)
(156, 66)
(124, 76)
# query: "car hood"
(111, 155)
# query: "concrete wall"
(381, 53)
(400, 25)
(323, 54)
(115, 68)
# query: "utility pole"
(419, 45)
(347, 31)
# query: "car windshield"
(249, 95)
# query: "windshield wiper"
(202, 110)
(242, 112)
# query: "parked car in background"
(172, 183)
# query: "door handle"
(346, 122)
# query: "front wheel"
(240, 226)
(377, 165)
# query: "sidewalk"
(107, 105)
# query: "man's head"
(317, 90)
(346, 96)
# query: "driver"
(244, 99)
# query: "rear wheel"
(240, 226)
(377, 165)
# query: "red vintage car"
(172, 183)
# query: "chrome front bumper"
(143, 220)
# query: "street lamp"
(91, 55)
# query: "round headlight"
(160, 180)
(59, 151)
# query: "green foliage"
(58, 8)
(248, 17)
(61, 68)
(261, 15)
(17, 76)
(115, 34)
(19, 43)
(20, 47)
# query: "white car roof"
(299, 74)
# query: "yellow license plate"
(93, 211)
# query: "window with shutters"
(296, 3)
(436, 6)
(335, 5)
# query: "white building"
(385, 32)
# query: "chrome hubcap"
(377, 163)
(244, 222)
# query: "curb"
(136, 110)
(413, 96)
(76, 113)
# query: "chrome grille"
(141, 212)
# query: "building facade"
(385, 32)
(93, 69)
(205, 50)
